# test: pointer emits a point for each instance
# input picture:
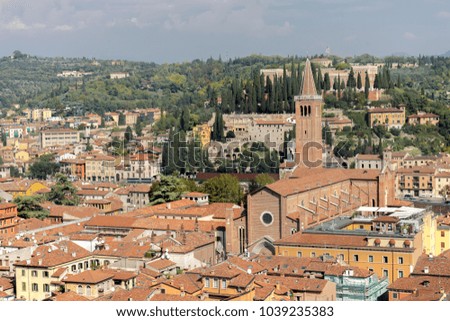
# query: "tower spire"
(308, 85)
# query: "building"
(308, 119)
(90, 284)
(8, 220)
(144, 168)
(100, 167)
(416, 181)
(38, 276)
(389, 117)
(423, 118)
(355, 284)
(203, 132)
(323, 62)
(311, 196)
(429, 281)
(368, 161)
(58, 137)
(119, 75)
(273, 73)
(388, 243)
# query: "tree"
(44, 166)
(445, 192)
(168, 189)
(261, 180)
(122, 120)
(185, 119)
(359, 81)
(30, 207)
(223, 188)
(326, 82)
(128, 135)
(366, 86)
(63, 192)
(351, 82)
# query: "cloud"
(63, 28)
(16, 24)
(409, 36)
(443, 14)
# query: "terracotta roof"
(111, 221)
(31, 224)
(173, 297)
(368, 157)
(191, 282)
(55, 254)
(242, 280)
(255, 267)
(339, 270)
(194, 194)
(425, 115)
(75, 211)
(437, 265)
(304, 179)
(160, 264)
(69, 296)
(122, 275)
(135, 294)
(89, 277)
(324, 240)
(140, 188)
(293, 283)
(6, 284)
(92, 192)
(385, 110)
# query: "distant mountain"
(400, 54)
(447, 54)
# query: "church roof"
(308, 85)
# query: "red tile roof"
(89, 277)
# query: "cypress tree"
(319, 84)
(326, 82)
(359, 81)
(366, 86)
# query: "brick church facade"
(311, 194)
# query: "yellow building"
(389, 246)
(38, 276)
(389, 117)
(22, 156)
(203, 132)
(90, 284)
(442, 235)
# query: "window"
(45, 274)
(442, 233)
(24, 286)
(46, 288)
(400, 273)
(370, 258)
(215, 283)
(385, 273)
(267, 218)
(23, 272)
(224, 284)
(356, 257)
(34, 287)
(442, 245)
(313, 254)
(400, 260)
(88, 290)
(394, 295)
(34, 273)
(206, 282)
(80, 290)
(299, 254)
(385, 259)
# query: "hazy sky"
(183, 30)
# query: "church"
(311, 194)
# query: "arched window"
(309, 110)
(88, 290)
(80, 290)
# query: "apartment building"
(389, 117)
(58, 137)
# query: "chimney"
(426, 270)
(40, 262)
(74, 254)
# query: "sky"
(183, 30)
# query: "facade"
(58, 137)
(368, 161)
(203, 132)
(144, 168)
(38, 276)
(100, 167)
(388, 245)
(422, 118)
(311, 196)
(90, 284)
(8, 220)
(416, 181)
(389, 117)
(270, 132)
(354, 284)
